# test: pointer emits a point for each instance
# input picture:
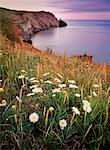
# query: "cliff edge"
(26, 24)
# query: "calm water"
(79, 37)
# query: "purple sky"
(65, 9)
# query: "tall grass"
(50, 86)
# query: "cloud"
(62, 7)
(82, 5)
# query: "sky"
(65, 9)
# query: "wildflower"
(48, 81)
(53, 95)
(86, 106)
(37, 90)
(41, 80)
(45, 74)
(33, 86)
(34, 81)
(30, 94)
(57, 90)
(31, 79)
(3, 103)
(72, 86)
(13, 107)
(21, 77)
(51, 109)
(1, 80)
(31, 70)
(94, 94)
(96, 85)
(1, 90)
(57, 80)
(77, 95)
(72, 81)
(62, 85)
(23, 71)
(62, 123)
(75, 110)
(33, 117)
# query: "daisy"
(72, 86)
(37, 90)
(62, 124)
(86, 106)
(75, 110)
(33, 117)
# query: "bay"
(90, 37)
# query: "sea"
(80, 37)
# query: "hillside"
(25, 24)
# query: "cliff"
(26, 24)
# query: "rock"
(62, 23)
(84, 58)
(29, 23)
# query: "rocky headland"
(26, 23)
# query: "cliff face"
(28, 23)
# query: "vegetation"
(6, 27)
(51, 102)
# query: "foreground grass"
(52, 88)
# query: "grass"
(87, 130)
(6, 27)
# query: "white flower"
(23, 71)
(34, 81)
(33, 86)
(48, 81)
(94, 94)
(37, 90)
(21, 77)
(57, 90)
(63, 123)
(86, 106)
(53, 95)
(31, 70)
(77, 95)
(72, 81)
(41, 80)
(30, 94)
(62, 85)
(72, 86)
(57, 80)
(1, 80)
(96, 85)
(33, 117)
(45, 74)
(75, 110)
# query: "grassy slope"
(89, 131)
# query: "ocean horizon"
(90, 37)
